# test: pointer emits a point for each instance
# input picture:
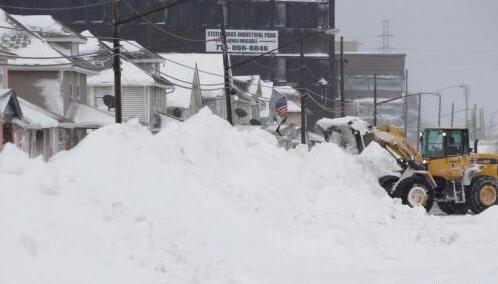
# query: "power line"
(36, 65)
(55, 8)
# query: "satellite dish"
(254, 122)
(177, 113)
(109, 101)
(240, 112)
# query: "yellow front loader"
(447, 171)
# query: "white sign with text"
(242, 41)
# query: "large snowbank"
(202, 202)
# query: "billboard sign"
(243, 41)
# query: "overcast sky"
(447, 42)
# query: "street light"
(466, 97)
(419, 95)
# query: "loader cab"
(445, 142)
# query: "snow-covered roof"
(102, 56)
(39, 117)
(85, 115)
(18, 40)
(135, 52)
(293, 106)
(49, 28)
(287, 91)
(131, 75)
(180, 69)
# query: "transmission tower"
(386, 37)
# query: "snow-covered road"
(202, 202)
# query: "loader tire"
(482, 194)
(415, 191)
(388, 182)
(452, 208)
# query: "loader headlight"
(425, 162)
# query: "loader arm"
(398, 147)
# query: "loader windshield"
(433, 143)
(439, 143)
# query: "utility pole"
(332, 92)
(439, 111)
(419, 118)
(466, 94)
(303, 96)
(474, 122)
(342, 77)
(226, 64)
(452, 114)
(405, 106)
(116, 61)
(375, 101)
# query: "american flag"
(281, 107)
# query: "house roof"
(180, 69)
(287, 91)
(131, 75)
(135, 52)
(49, 28)
(39, 117)
(9, 98)
(85, 115)
(16, 39)
(293, 106)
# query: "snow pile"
(202, 202)
(378, 160)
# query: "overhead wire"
(164, 30)
(55, 8)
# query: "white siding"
(134, 103)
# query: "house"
(144, 90)
(293, 104)
(43, 70)
(198, 81)
(249, 94)
(143, 95)
(36, 131)
(49, 82)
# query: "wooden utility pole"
(439, 110)
(452, 114)
(332, 90)
(116, 61)
(375, 101)
(342, 77)
(226, 63)
(303, 95)
(405, 106)
(419, 120)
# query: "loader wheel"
(482, 194)
(415, 191)
(387, 182)
(452, 208)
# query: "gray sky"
(447, 42)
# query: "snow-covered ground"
(202, 202)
